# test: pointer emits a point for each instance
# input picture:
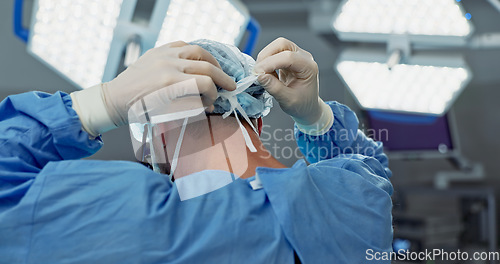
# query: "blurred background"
(443, 144)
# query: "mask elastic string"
(248, 140)
(246, 136)
(242, 85)
(156, 168)
(175, 158)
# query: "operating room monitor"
(412, 135)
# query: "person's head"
(204, 133)
(255, 100)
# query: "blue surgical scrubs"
(56, 208)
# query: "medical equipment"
(373, 21)
(406, 76)
(458, 217)
(146, 115)
(249, 100)
(63, 35)
(425, 83)
(150, 118)
(432, 138)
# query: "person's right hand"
(296, 86)
(161, 67)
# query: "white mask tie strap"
(241, 86)
(177, 151)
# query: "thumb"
(271, 84)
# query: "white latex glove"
(296, 88)
(105, 106)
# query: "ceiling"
(280, 14)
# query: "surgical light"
(439, 21)
(219, 20)
(74, 37)
(84, 40)
(426, 83)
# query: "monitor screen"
(408, 132)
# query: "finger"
(195, 52)
(165, 51)
(273, 85)
(176, 44)
(275, 47)
(205, 68)
(170, 46)
(183, 104)
(275, 74)
(302, 66)
(210, 109)
(206, 88)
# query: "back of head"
(250, 100)
(255, 100)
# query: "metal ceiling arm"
(398, 50)
(495, 4)
(394, 58)
(133, 50)
(19, 30)
(253, 29)
(487, 40)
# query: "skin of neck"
(215, 143)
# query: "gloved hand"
(296, 88)
(105, 106)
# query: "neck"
(218, 144)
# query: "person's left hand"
(105, 106)
(296, 88)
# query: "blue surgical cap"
(255, 101)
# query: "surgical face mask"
(153, 116)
